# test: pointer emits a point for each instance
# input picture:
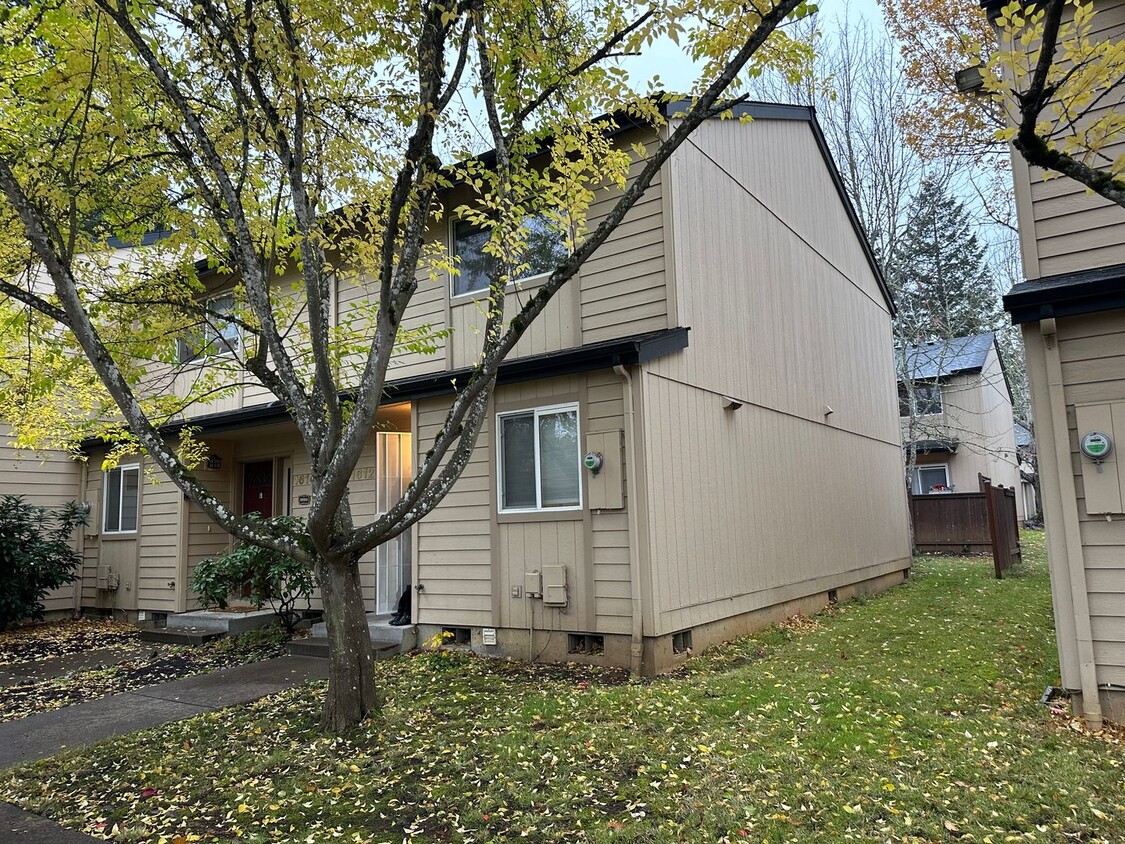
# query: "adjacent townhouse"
(955, 411)
(48, 479)
(1071, 309)
(697, 437)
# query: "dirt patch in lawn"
(48, 640)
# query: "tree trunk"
(351, 695)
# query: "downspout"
(637, 646)
(1080, 598)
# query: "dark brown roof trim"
(1067, 294)
(624, 351)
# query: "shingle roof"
(943, 358)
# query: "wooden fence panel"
(951, 523)
(982, 522)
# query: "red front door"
(257, 488)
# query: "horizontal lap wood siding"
(777, 499)
(1092, 374)
(1063, 228)
(469, 558)
(48, 479)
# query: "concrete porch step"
(319, 648)
(181, 635)
(223, 621)
(386, 641)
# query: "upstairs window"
(544, 251)
(122, 499)
(927, 400)
(213, 336)
(539, 463)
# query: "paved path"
(45, 735)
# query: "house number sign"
(1096, 445)
(367, 473)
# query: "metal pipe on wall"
(637, 644)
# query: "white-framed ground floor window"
(121, 500)
(933, 478)
(538, 461)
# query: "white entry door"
(394, 468)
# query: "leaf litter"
(911, 717)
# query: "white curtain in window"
(558, 453)
(130, 495)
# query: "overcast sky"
(675, 70)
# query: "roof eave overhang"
(1068, 295)
(626, 351)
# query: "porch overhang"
(624, 351)
(934, 446)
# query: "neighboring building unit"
(49, 479)
(1071, 309)
(725, 355)
(1029, 470)
(955, 411)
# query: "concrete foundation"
(553, 646)
(1112, 701)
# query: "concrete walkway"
(40, 736)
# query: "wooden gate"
(1003, 525)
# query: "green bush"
(35, 555)
(270, 576)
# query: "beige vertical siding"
(777, 499)
(1062, 227)
(469, 558)
(754, 507)
(49, 479)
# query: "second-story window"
(213, 336)
(927, 400)
(544, 251)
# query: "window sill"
(532, 281)
(569, 515)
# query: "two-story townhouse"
(724, 361)
(1071, 309)
(955, 412)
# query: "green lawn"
(913, 716)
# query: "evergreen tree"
(941, 281)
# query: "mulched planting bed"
(163, 663)
(48, 640)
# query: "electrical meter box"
(554, 586)
(1101, 427)
(532, 584)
